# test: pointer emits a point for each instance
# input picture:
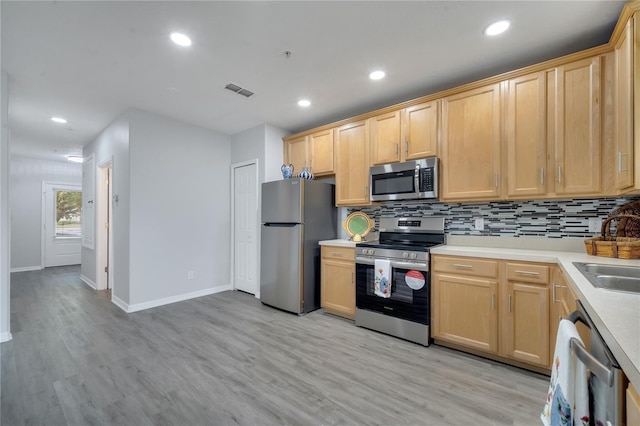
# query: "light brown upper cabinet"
(295, 152)
(385, 138)
(321, 148)
(352, 164)
(407, 134)
(526, 136)
(314, 151)
(420, 131)
(471, 143)
(624, 54)
(578, 128)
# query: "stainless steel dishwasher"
(606, 379)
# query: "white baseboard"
(88, 282)
(167, 300)
(119, 303)
(27, 269)
(5, 337)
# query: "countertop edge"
(337, 243)
(616, 315)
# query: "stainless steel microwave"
(405, 181)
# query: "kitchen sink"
(611, 277)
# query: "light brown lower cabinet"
(337, 280)
(464, 310)
(496, 307)
(633, 406)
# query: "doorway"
(104, 230)
(245, 217)
(61, 224)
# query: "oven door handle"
(395, 264)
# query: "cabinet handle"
(553, 292)
(527, 272)
(396, 149)
(559, 174)
(509, 304)
(620, 169)
(542, 176)
(336, 253)
(493, 301)
(406, 147)
(497, 178)
(460, 265)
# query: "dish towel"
(568, 395)
(382, 280)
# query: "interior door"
(62, 224)
(245, 219)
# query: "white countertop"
(615, 314)
(337, 243)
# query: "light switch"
(479, 223)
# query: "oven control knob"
(413, 256)
(371, 252)
(405, 254)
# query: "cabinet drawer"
(344, 253)
(527, 272)
(466, 266)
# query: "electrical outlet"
(595, 223)
(479, 223)
(189, 275)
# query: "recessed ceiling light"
(74, 158)
(304, 103)
(58, 120)
(180, 39)
(497, 28)
(377, 75)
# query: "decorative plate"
(357, 225)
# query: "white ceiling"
(88, 61)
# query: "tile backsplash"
(546, 218)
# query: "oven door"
(410, 290)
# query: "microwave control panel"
(426, 179)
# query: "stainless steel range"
(400, 262)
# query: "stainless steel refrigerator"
(296, 214)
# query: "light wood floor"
(226, 359)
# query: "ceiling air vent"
(239, 90)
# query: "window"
(68, 213)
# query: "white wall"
(273, 153)
(113, 143)
(27, 175)
(5, 230)
(180, 213)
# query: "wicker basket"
(621, 245)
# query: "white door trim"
(43, 214)
(233, 201)
(102, 200)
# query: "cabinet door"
(338, 289)
(471, 145)
(385, 138)
(526, 136)
(559, 308)
(420, 131)
(296, 153)
(578, 128)
(321, 152)
(464, 311)
(352, 164)
(624, 113)
(633, 406)
(526, 326)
